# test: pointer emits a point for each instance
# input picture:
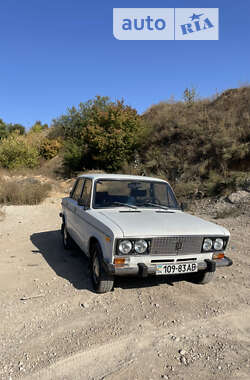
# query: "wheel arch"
(92, 241)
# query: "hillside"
(201, 146)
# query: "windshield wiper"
(155, 205)
(123, 204)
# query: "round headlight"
(218, 244)
(141, 246)
(125, 246)
(207, 245)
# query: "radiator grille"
(176, 245)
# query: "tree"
(100, 134)
(16, 127)
(190, 95)
(38, 127)
(3, 129)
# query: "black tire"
(67, 240)
(203, 277)
(102, 282)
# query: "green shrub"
(17, 152)
(49, 148)
(23, 192)
(224, 184)
(185, 190)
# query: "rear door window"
(86, 194)
(78, 189)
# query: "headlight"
(141, 246)
(218, 244)
(207, 245)
(125, 246)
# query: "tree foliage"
(49, 148)
(3, 130)
(16, 127)
(17, 152)
(38, 127)
(99, 134)
(6, 129)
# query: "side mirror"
(183, 206)
(81, 202)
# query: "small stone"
(84, 305)
(182, 352)
(183, 360)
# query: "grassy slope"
(203, 147)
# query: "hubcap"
(96, 269)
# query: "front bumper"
(144, 270)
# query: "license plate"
(176, 268)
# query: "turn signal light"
(119, 261)
(217, 256)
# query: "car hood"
(146, 223)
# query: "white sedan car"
(132, 225)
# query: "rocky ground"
(53, 326)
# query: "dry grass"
(228, 212)
(25, 192)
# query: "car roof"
(96, 176)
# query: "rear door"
(71, 212)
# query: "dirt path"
(54, 327)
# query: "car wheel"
(102, 281)
(67, 240)
(203, 277)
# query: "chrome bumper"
(144, 270)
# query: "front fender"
(106, 244)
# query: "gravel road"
(53, 326)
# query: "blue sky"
(58, 53)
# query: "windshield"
(132, 193)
